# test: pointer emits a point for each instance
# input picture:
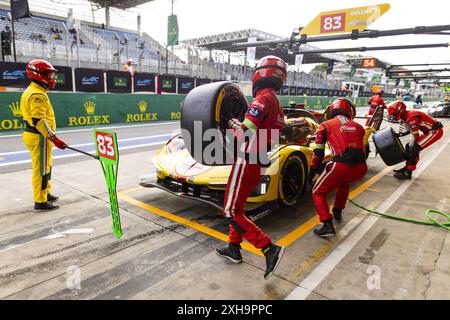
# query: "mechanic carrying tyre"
(415, 121)
(345, 138)
(40, 126)
(374, 102)
(264, 116)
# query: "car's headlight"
(262, 187)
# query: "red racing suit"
(264, 112)
(345, 140)
(374, 102)
(416, 121)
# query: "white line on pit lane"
(101, 128)
(90, 144)
(324, 269)
(79, 155)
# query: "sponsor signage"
(200, 81)
(167, 84)
(144, 82)
(185, 85)
(13, 75)
(118, 81)
(63, 79)
(89, 80)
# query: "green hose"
(429, 213)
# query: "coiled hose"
(429, 213)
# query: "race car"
(182, 170)
(283, 183)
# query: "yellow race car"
(285, 178)
(283, 183)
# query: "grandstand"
(55, 39)
(65, 41)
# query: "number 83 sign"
(108, 152)
(345, 20)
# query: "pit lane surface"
(167, 251)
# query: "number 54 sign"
(345, 20)
(108, 152)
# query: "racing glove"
(57, 142)
(234, 124)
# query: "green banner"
(172, 31)
(83, 109)
(108, 153)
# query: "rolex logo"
(142, 106)
(15, 108)
(90, 107)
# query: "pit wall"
(82, 109)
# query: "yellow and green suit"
(37, 113)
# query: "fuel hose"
(429, 213)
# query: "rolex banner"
(172, 31)
(20, 9)
(13, 75)
(63, 79)
(93, 109)
(118, 81)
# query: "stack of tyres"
(204, 117)
(389, 146)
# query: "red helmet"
(43, 72)
(396, 109)
(376, 100)
(343, 105)
(270, 69)
(380, 92)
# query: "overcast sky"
(198, 18)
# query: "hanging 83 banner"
(108, 153)
(345, 20)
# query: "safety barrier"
(84, 109)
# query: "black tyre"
(389, 146)
(292, 181)
(211, 105)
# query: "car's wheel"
(292, 180)
(209, 107)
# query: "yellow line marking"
(131, 190)
(311, 223)
(186, 222)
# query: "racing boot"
(51, 198)
(404, 175)
(273, 255)
(400, 170)
(337, 214)
(44, 206)
(327, 229)
(232, 252)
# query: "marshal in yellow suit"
(39, 119)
